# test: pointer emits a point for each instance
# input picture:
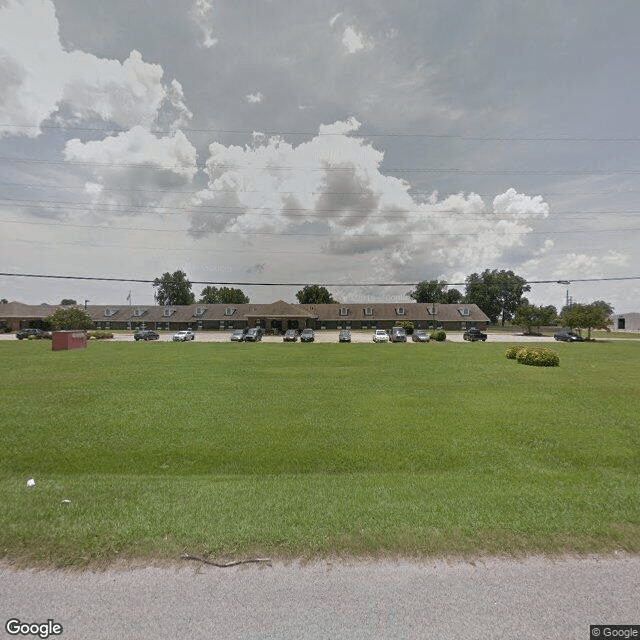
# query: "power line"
(351, 168)
(356, 134)
(413, 190)
(563, 281)
(318, 235)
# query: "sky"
(343, 143)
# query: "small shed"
(65, 340)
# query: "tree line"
(498, 293)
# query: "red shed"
(63, 340)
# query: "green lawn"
(314, 450)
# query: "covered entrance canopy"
(281, 316)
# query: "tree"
(70, 319)
(435, 291)
(4, 301)
(530, 315)
(173, 289)
(315, 294)
(587, 316)
(67, 302)
(212, 295)
(497, 293)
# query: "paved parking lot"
(321, 336)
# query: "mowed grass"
(315, 450)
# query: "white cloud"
(355, 41)
(335, 17)
(332, 187)
(38, 77)
(254, 98)
(136, 170)
(201, 14)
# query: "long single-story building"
(277, 316)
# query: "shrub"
(408, 326)
(100, 335)
(44, 336)
(511, 352)
(439, 335)
(538, 357)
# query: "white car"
(380, 336)
(183, 336)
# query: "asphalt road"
(531, 599)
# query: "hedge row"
(534, 356)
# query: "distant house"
(625, 322)
(276, 316)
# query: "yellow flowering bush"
(537, 357)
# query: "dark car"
(253, 335)
(25, 333)
(344, 336)
(420, 335)
(566, 335)
(146, 334)
(238, 335)
(398, 334)
(473, 335)
(307, 335)
(291, 335)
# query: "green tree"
(497, 293)
(435, 291)
(66, 302)
(314, 294)
(223, 295)
(70, 319)
(587, 316)
(4, 301)
(173, 289)
(529, 316)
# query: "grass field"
(315, 450)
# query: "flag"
(129, 296)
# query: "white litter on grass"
(31, 482)
(65, 501)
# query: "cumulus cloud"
(332, 187)
(39, 77)
(254, 98)
(135, 168)
(354, 41)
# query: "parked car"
(291, 335)
(21, 334)
(473, 335)
(254, 334)
(146, 334)
(380, 336)
(420, 335)
(566, 335)
(237, 335)
(307, 335)
(184, 336)
(344, 336)
(398, 334)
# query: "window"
(464, 311)
(400, 311)
(168, 312)
(110, 312)
(199, 311)
(138, 312)
(368, 311)
(432, 311)
(344, 311)
(229, 311)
